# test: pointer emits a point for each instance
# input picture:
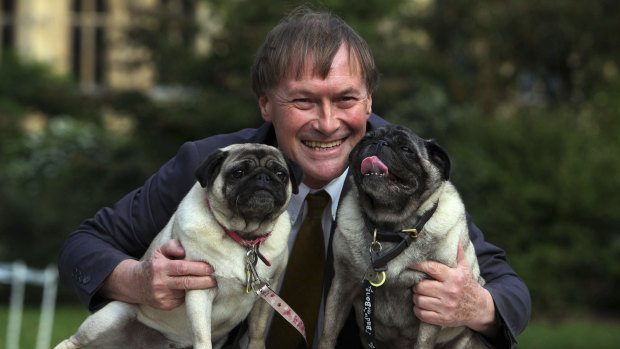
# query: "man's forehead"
(348, 81)
(312, 69)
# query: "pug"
(241, 189)
(401, 210)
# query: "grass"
(584, 333)
(567, 334)
(66, 320)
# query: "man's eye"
(303, 103)
(346, 102)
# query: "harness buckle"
(413, 233)
(375, 247)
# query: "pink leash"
(265, 292)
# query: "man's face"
(318, 121)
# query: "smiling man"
(319, 119)
(314, 77)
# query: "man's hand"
(454, 298)
(159, 281)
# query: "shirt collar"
(333, 188)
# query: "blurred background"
(95, 95)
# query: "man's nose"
(327, 119)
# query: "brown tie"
(303, 282)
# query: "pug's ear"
(439, 157)
(210, 168)
(296, 174)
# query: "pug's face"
(394, 171)
(250, 185)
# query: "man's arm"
(454, 298)
(105, 248)
(499, 311)
(511, 297)
(160, 280)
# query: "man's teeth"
(321, 145)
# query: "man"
(314, 78)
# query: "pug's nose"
(262, 177)
(379, 144)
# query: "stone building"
(84, 38)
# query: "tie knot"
(316, 203)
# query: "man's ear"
(439, 157)
(296, 174)
(263, 104)
(369, 105)
(210, 168)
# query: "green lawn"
(569, 334)
(66, 320)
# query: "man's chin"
(319, 177)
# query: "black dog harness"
(375, 276)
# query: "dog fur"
(248, 187)
(405, 176)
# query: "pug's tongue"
(372, 164)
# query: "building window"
(184, 11)
(7, 25)
(88, 42)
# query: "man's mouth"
(320, 146)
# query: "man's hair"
(305, 35)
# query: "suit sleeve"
(125, 230)
(510, 294)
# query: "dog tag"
(252, 277)
(248, 281)
(250, 266)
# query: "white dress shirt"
(297, 210)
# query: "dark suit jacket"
(125, 231)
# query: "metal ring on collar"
(381, 282)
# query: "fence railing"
(17, 274)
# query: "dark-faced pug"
(241, 189)
(399, 183)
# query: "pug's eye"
(238, 174)
(407, 149)
(281, 175)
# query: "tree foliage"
(523, 94)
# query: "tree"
(523, 94)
